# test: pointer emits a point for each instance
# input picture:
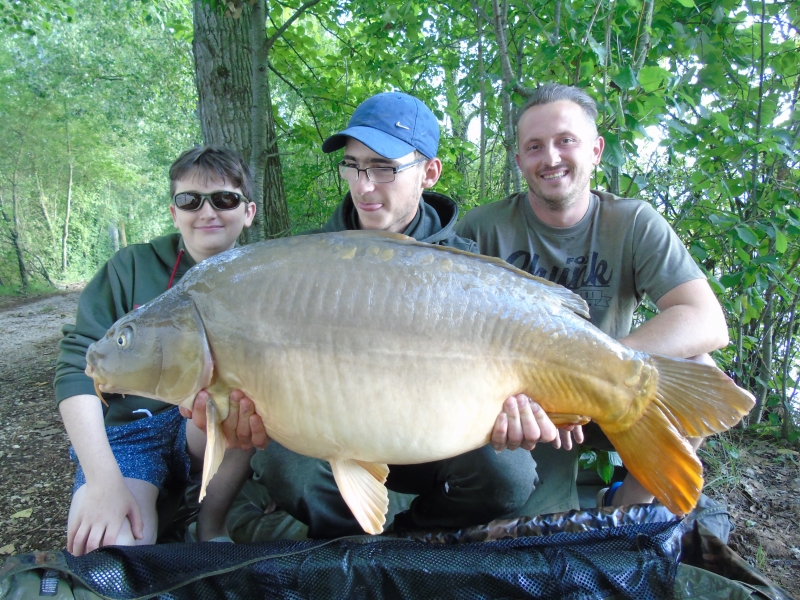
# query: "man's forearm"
(678, 331)
(690, 323)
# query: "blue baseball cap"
(392, 124)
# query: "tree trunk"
(643, 42)
(65, 232)
(43, 271)
(764, 363)
(234, 104)
(482, 75)
(510, 172)
(787, 427)
(43, 203)
(113, 234)
(24, 274)
(460, 122)
(123, 239)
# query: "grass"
(36, 288)
(761, 558)
(723, 464)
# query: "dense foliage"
(698, 101)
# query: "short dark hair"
(213, 161)
(556, 92)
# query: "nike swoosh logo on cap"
(401, 126)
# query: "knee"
(125, 536)
(506, 495)
(288, 476)
(508, 480)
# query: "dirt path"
(35, 470)
(759, 480)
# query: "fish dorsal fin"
(566, 297)
(361, 486)
(215, 445)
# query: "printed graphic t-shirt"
(621, 250)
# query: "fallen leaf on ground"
(23, 514)
(7, 549)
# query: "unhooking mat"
(583, 554)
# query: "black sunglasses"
(219, 200)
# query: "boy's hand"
(522, 424)
(243, 428)
(102, 515)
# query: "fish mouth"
(98, 387)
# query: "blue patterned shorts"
(152, 449)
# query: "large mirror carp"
(367, 349)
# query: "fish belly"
(395, 353)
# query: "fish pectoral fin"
(215, 445)
(565, 419)
(361, 486)
(661, 459)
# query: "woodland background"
(698, 101)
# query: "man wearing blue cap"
(389, 163)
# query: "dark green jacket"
(132, 277)
(434, 222)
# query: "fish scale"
(367, 349)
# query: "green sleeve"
(104, 300)
(661, 261)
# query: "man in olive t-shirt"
(619, 251)
(611, 251)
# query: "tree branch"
(302, 98)
(297, 14)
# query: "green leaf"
(588, 459)
(613, 153)
(604, 467)
(698, 252)
(626, 79)
(780, 241)
(678, 126)
(747, 235)
(687, 3)
(731, 280)
(598, 49)
(652, 78)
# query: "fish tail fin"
(699, 400)
(691, 400)
(215, 445)
(661, 459)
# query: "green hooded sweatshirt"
(434, 222)
(132, 277)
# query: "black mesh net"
(634, 561)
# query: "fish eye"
(124, 338)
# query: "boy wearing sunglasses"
(129, 452)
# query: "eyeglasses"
(374, 174)
(219, 200)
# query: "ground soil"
(758, 478)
